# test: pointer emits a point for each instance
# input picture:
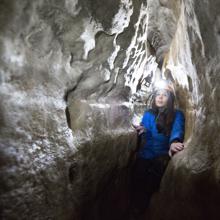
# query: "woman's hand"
(139, 128)
(175, 147)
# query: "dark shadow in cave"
(112, 200)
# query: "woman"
(162, 131)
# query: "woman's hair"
(164, 116)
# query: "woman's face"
(161, 98)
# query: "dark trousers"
(146, 178)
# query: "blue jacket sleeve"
(178, 128)
(145, 120)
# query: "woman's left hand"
(175, 147)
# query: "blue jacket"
(158, 143)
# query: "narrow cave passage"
(104, 182)
(110, 195)
(75, 76)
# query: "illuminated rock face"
(190, 188)
(72, 76)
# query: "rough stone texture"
(190, 188)
(72, 77)
(48, 62)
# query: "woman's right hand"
(139, 128)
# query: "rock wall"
(65, 116)
(190, 187)
(74, 75)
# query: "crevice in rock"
(68, 119)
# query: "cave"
(74, 75)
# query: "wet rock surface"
(72, 78)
